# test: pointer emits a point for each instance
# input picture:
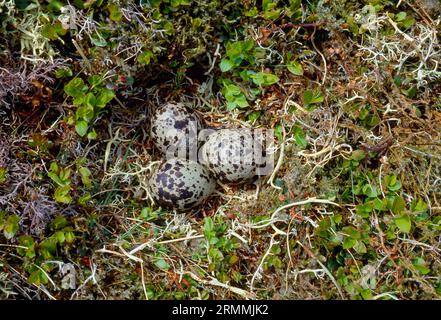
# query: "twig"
(310, 253)
(217, 283)
(279, 162)
(259, 268)
(143, 282)
(82, 54)
(321, 55)
(91, 277)
(149, 243)
(421, 244)
(216, 54)
(271, 220)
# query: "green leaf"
(403, 222)
(11, 226)
(247, 75)
(59, 222)
(85, 112)
(238, 50)
(216, 254)
(380, 205)
(398, 81)
(411, 92)
(54, 167)
(54, 177)
(400, 16)
(264, 79)
(268, 4)
(226, 65)
(231, 105)
(231, 90)
(69, 236)
(337, 218)
(62, 195)
(352, 232)
(420, 265)
(270, 11)
(48, 248)
(360, 247)
(104, 97)
(65, 174)
(90, 100)
(94, 80)
(300, 137)
(312, 97)
(348, 243)
(78, 101)
(75, 88)
(307, 97)
(85, 177)
(63, 72)
(145, 57)
(208, 225)
(59, 237)
(177, 3)
(358, 155)
(81, 128)
(278, 132)
(38, 277)
(253, 12)
(241, 101)
(370, 191)
(3, 172)
(363, 210)
(115, 12)
(92, 135)
(98, 40)
(398, 205)
(55, 5)
(407, 23)
(233, 259)
(49, 32)
(418, 206)
(29, 243)
(270, 79)
(22, 4)
(392, 183)
(162, 264)
(234, 97)
(2, 219)
(84, 199)
(253, 116)
(295, 68)
(58, 27)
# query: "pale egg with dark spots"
(181, 184)
(229, 155)
(174, 129)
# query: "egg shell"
(181, 184)
(229, 155)
(174, 129)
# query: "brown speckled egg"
(181, 184)
(229, 155)
(173, 129)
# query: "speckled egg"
(174, 130)
(229, 155)
(181, 184)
